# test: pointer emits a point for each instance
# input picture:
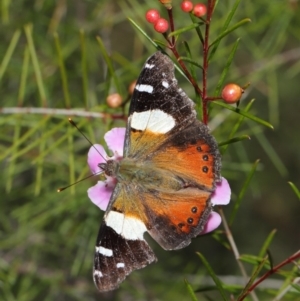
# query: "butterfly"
(170, 168)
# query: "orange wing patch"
(194, 163)
(176, 217)
(144, 142)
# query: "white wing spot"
(120, 265)
(104, 251)
(144, 88)
(149, 66)
(133, 229)
(155, 121)
(98, 273)
(115, 220)
(130, 228)
(165, 84)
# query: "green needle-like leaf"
(253, 278)
(85, 71)
(267, 243)
(198, 30)
(144, 34)
(36, 65)
(10, 50)
(241, 112)
(226, 68)
(213, 276)
(237, 126)
(63, 72)
(296, 287)
(190, 290)
(224, 28)
(234, 140)
(242, 192)
(228, 31)
(272, 154)
(184, 29)
(191, 61)
(253, 260)
(13, 149)
(24, 74)
(109, 65)
(295, 189)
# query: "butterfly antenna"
(90, 176)
(90, 142)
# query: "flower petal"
(221, 195)
(115, 140)
(213, 222)
(96, 155)
(100, 193)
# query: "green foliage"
(61, 59)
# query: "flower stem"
(269, 273)
(235, 250)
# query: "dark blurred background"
(47, 239)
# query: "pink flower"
(221, 196)
(100, 193)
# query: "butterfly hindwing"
(176, 217)
(116, 257)
(120, 247)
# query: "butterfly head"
(110, 168)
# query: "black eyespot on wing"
(181, 225)
(190, 220)
(205, 169)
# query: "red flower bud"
(186, 6)
(161, 25)
(232, 93)
(114, 100)
(200, 10)
(152, 16)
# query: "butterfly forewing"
(157, 89)
(158, 108)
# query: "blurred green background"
(50, 59)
